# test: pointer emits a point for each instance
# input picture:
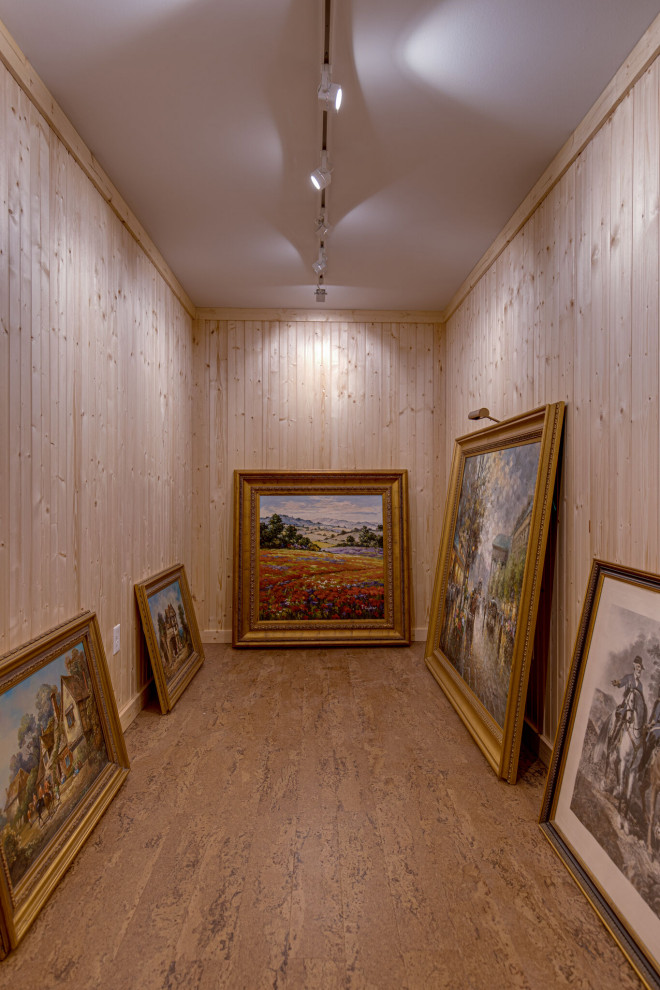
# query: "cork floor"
(316, 819)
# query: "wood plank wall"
(104, 383)
(325, 393)
(95, 402)
(569, 310)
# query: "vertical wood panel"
(96, 390)
(5, 366)
(592, 252)
(338, 395)
(645, 413)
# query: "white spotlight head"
(321, 264)
(319, 292)
(321, 176)
(322, 226)
(329, 93)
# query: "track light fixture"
(319, 292)
(321, 177)
(320, 266)
(329, 93)
(322, 225)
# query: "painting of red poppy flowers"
(320, 558)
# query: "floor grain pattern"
(316, 819)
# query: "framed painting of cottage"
(170, 630)
(488, 576)
(321, 558)
(600, 808)
(62, 760)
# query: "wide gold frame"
(393, 630)
(500, 744)
(171, 688)
(21, 903)
(595, 874)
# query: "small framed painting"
(62, 760)
(170, 630)
(321, 558)
(488, 576)
(600, 808)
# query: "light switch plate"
(116, 639)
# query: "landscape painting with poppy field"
(321, 558)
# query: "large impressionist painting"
(320, 557)
(171, 632)
(62, 758)
(600, 810)
(487, 580)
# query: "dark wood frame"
(573, 806)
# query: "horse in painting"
(653, 785)
(619, 742)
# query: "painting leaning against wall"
(62, 758)
(487, 565)
(601, 809)
(52, 752)
(487, 585)
(171, 633)
(320, 557)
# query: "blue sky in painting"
(19, 700)
(357, 509)
(158, 602)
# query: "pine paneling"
(95, 402)
(298, 394)
(569, 310)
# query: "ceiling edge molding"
(33, 86)
(640, 59)
(318, 316)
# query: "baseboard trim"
(537, 744)
(131, 711)
(216, 636)
(224, 635)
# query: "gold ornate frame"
(248, 629)
(170, 684)
(611, 847)
(500, 743)
(80, 786)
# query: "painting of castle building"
(52, 749)
(168, 616)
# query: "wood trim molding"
(35, 89)
(640, 59)
(319, 316)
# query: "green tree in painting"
(367, 538)
(184, 625)
(274, 535)
(472, 509)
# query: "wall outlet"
(116, 639)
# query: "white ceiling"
(204, 114)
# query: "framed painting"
(599, 809)
(62, 760)
(321, 558)
(171, 633)
(488, 576)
